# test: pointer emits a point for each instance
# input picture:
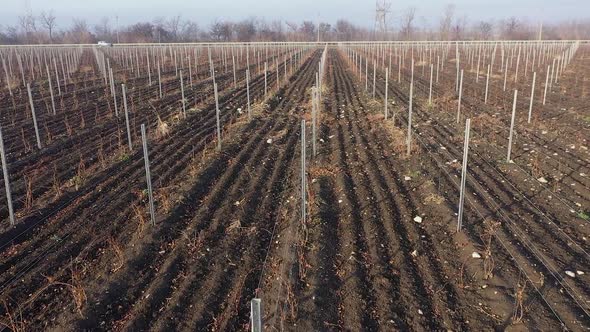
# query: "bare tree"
(510, 28)
(485, 30)
(103, 29)
(407, 28)
(459, 28)
(344, 30)
(79, 33)
(189, 31)
(28, 24)
(221, 31)
(173, 26)
(245, 30)
(48, 22)
(325, 29)
(308, 30)
(446, 22)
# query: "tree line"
(45, 29)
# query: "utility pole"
(117, 19)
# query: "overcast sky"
(360, 12)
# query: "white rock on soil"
(580, 273)
(269, 141)
(570, 273)
(475, 255)
(542, 180)
(418, 219)
(415, 253)
(407, 178)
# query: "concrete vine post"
(114, 92)
(39, 145)
(50, 90)
(303, 176)
(149, 70)
(127, 117)
(374, 77)
(148, 176)
(532, 96)
(314, 114)
(6, 181)
(512, 126)
(182, 95)
(366, 75)
(57, 78)
(265, 82)
(409, 139)
(233, 60)
(487, 85)
(463, 175)
(160, 80)
(460, 96)
(546, 85)
(248, 93)
(7, 77)
(217, 117)
(430, 90)
(255, 315)
(386, 102)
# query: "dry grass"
(75, 286)
(519, 309)
(536, 167)
(488, 235)
(164, 197)
(163, 129)
(26, 144)
(399, 139)
(139, 216)
(14, 318)
(327, 171)
(194, 240)
(56, 186)
(119, 260)
(433, 198)
(29, 193)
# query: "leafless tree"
(459, 28)
(48, 22)
(79, 33)
(308, 30)
(324, 30)
(446, 22)
(221, 31)
(407, 27)
(173, 25)
(245, 30)
(189, 31)
(344, 30)
(103, 29)
(485, 30)
(28, 24)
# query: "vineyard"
(295, 186)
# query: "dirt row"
(69, 161)
(495, 198)
(91, 249)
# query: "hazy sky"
(360, 12)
